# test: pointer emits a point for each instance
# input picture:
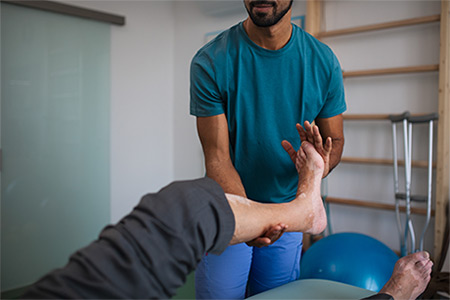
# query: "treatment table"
(314, 289)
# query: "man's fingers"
(270, 237)
(289, 149)
(301, 132)
(309, 132)
(307, 125)
(328, 145)
(302, 153)
(263, 242)
(316, 132)
(317, 139)
(259, 242)
(276, 232)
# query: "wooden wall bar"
(313, 21)
(371, 117)
(443, 153)
(380, 26)
(376, 205)
(391, 71)
(383, 161)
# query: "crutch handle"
(414, 198)
(424, 118)
(399, 118)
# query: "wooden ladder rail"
(384, 161)
(380, 26)
(391, 71)
(371, 117)
(376, 205)
(443, 137)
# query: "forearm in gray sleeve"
(149, 253)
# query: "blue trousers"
(242, 271)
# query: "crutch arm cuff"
(424, 118)
(399, 118)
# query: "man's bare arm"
(213, 134)
(333, 127)
(214, 137)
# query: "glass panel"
(55, 139)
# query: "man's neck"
(274, 37)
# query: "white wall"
(142, 87)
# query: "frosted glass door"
(54, 139)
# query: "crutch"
(429, 119)
(408, 229)
(402, 230)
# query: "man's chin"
(263, 22)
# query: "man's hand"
(269, 237)
(311, 134)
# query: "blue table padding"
(315, 289)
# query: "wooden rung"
(382, 161)
(376, 205)
(388, 71)
(366, 117)
(370, 117)
(380, 26)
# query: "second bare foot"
(410, 277)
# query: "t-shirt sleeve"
(335, 97)
(206, 100)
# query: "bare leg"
(410, 277)
(304, 214)
(310, 166)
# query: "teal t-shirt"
(263, 94)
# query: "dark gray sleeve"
(149, 253)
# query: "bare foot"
(310, 168)
(410, 277)
(303, 214)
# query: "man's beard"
(262, 19)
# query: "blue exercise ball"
(350, 258)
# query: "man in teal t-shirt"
(250, 86)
